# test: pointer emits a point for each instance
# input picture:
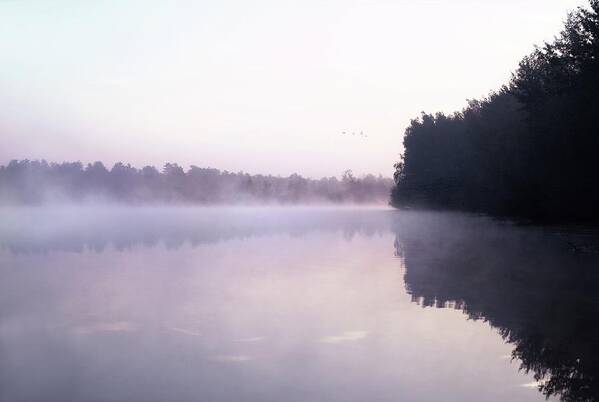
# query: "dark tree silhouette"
(527, 150)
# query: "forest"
(527, 150)
(28, 182)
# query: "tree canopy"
(528, 149)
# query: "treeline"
(35, 182)
(527, 150)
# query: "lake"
(293, 304)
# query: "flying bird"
(361, 134)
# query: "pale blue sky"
(262, 86)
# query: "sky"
(264, 86)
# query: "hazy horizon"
(265, 88)
(186, 168)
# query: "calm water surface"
(157, 304)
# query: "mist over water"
(38, 182)
(291, 304)
(258, 201)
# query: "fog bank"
(37, 182)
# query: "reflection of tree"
(526, 282)
(77, 230)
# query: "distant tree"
(97, 178)
(34, 182)
(123, 181)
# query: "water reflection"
(294, 305)
(534, 285)
(78, 229)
